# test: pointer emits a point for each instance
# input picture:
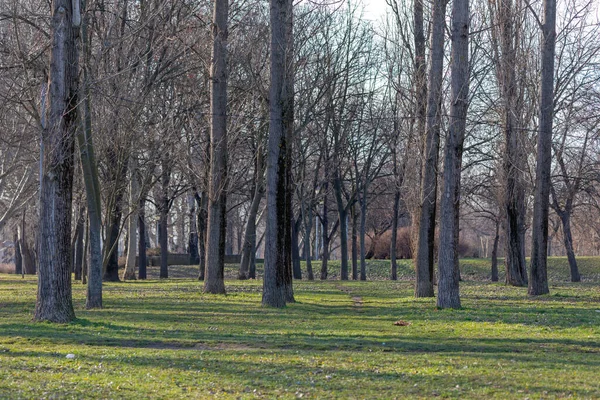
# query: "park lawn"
(165, 339)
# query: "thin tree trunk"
(193, 235)
(307, 233)
(354, 243)
(250, 233)
(449, 275)
(54, 296)
(90, 178)
(142, 260)
(163, 224)
(202, 202)
(538, 275)
(217, 200)
(394, 263)
(495, 253)
(78, 247)
(565, 217)
(296, 249)
(18, 256)
(343, 216)
(132, 224)
(325, 235)
(426, 238)
(363, 232)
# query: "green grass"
(165, 339)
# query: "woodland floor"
(349, 340)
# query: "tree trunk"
(343, 216)
(163, 224)
(202, 202)
(565, 217)
(354, 243)
(538, 275)
(142, 261)
(307, 231)
(363, 232)
(18, 256)
(78, 245)
(325, 235)
(495, 253)
(54, 296)
(296, 269)
(426, 238)
(217, 199)
(395, 214)
(250, 231)
(449, 275)
(132, 224)
(193, 235)
(274, 283)
(90, 178)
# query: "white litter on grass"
(70, 356)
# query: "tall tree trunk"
(308, 218)
(538, 275)
(343, 216)
(193, 235)
(202, 202)
(217, 200)
(495, 253)
(78, 245)
(250, 231)
(296, 248)
(54, 296)
(394, 263)
(354, 243)
(18, 256)
(163, 224)
(325, 235)
(363, 232)
(142, 260)
(426, 238)
(274, 282)
(132, 224)
(90, 178)
(449, 275)
(565, 217)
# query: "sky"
(374, 9)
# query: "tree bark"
(142, 260)
(193, 235)
(202, 202)
(325, 235)
(426, 238)
(354, 243)
(449, 275)
(565, 218)
(54, 296)
(343, 216)
(132, 224)
(250, 231)
(90, 178)
(217, 199)
(163, 224)
(538, 275)
(18, 256)
(308, 218)
(78, 245)
(274, 283)
(495, 253)
(395, 212)
(363, 232)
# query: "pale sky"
(374, 9)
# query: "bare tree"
(425, 242)
(448, 286)
(54, 298)
(538, 275)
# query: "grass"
(167, 340)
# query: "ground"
(165, 339)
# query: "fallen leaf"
(401, 323)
